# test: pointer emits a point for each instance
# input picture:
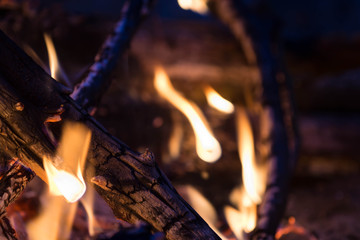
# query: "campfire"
(208, 106)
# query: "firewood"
(89, 91)
(13, 180)
(278, 133)
(131, 183)
(6, 230)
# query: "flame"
(250, 195)
(175, 140)
(218, 102)
(253, 176)
(56, 70)
(194, 5)
(207, 147)
(72, 151)
(88, 202)
(64, 174)
(55, 220)
(203, 207)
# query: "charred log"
(131, 183)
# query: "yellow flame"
(216, 101)
(207, 147)
(175, 140)
(55, 220)
(203, 207)
(88, 202)
(250, 195)
(253, 176)
(66, 179)
(56, 71)
(194, 5)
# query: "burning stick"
(89, 91)
(131, 183)
(277, 123)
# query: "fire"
(64, 174)
(194, 5)
(56, 70)
(207, 147)
(72, 151)
(247, 198)
(216, 101)
(203, 207)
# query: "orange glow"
(194, 5)
(56, 71)
(253, 176)
(207, 147)
(203, 207)
(246, 198)
(66, 178)
(216, 101)
(88, 202)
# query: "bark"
(88, 93)
(6, 230)
(131, 183)
(13, 181)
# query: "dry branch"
(278, 132)
(131, 183)
(90, 90)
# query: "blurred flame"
(88, 201)
(72, 151)
(203, 207)
(57, 215)
(207, 147)
(56, 71)
(175, 140)
(247, 198)
(194, 5)
(55, 220)
(216, 101)
(252, 175)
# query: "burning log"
(278, 131)
(131, 183)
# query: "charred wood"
(131, 183)
(88, 93)
(7, 232)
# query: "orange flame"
(198, 6)
(56, 70)
(216, 101)
(72, 151)
(207, 147)
(203, 207)
(247, 198)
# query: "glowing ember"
(194, 5)
(216, 101)
(72, 151)
(207, 147)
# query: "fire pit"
(230, 158)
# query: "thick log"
(7, 232)
(131, 183)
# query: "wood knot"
(148, 157)
(19, 106)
